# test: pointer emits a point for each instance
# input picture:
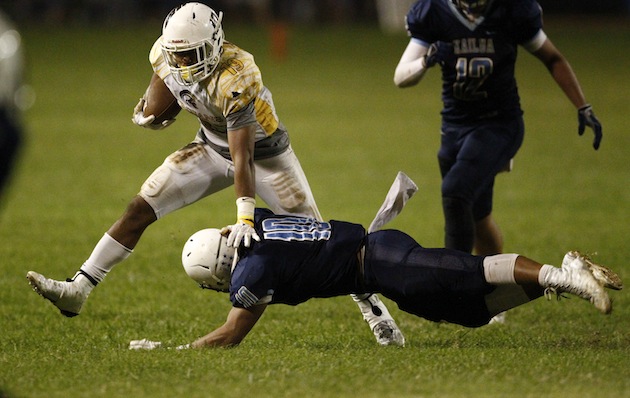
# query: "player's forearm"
(217, 338)
(239, 323)
(242, 152)
(244, 180)
(409, 73)
(565, 78)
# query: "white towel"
(402, 189)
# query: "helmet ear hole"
(207, 259)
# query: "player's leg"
(470, 157)
(282, 184)
(520, 279)
(186, 176)
(488, 236)
(453, 286)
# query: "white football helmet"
(208, 260)
(192, 42)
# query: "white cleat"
(379, 319)
(604, 275)
(580, 282)
(387, 333)
(68, 296)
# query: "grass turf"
(353, 130)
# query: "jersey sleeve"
(418, 23)
(527, 16)
(251, 283)
(241, 118)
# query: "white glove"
(147, 121)
(243, 231)
(144, 344)
(240, 232)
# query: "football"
(160, 102)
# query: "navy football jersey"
(478, 69)
(319, 259)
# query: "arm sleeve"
(411, 69)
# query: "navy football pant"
(470, 157)
(435, 284)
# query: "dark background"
(318, 12)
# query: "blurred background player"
(240, 142)
(11, 84)
(299, 259)
(475, 43)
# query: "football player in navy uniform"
(301, 258)
(11, 70)
(475, 43)
(240, 142)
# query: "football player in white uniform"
(240, 142)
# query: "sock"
(545, 272)
(107, 253)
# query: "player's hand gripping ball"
(158, 108)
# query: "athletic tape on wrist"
(245, 209)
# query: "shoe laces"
(550, 292)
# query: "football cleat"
(580, 282)
(387, 333)
(379, 319)
(604, 275)
(68, 296)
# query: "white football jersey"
(232, 97)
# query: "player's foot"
(387, 333)
(68, 296)
(379, 319)
(580, 282)
(604, 275)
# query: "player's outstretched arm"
(564, 76)
(238, 324)
(241, 142)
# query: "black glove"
(436, 54)
(586, 117)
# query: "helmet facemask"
(192, 42)
(472, 9)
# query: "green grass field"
(353, 130)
